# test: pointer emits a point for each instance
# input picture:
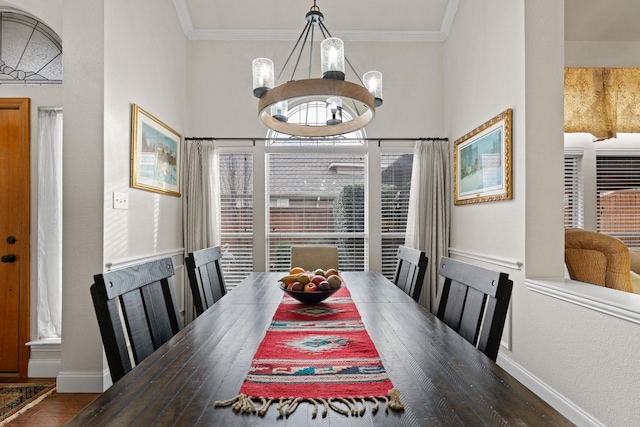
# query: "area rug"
(16, 398)
(318, 354)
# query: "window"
(618, 190)
(315, 191)
(394, 195)
(236, 215)
(573, 191)
(316, 198)
(30, 51)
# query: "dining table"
(443, 379)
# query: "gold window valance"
(602, 101)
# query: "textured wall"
(510, 54)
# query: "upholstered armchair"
(635, 270)
(597, 258)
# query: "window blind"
(316, 198)
(394, 195)
(236, 216)
(573, 192)
(618, 190)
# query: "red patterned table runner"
(320, 354)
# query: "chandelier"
(348, 106)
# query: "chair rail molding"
(512, 264)
(177, 256)
(623, 305)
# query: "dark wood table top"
(443, 380)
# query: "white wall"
(115, 53)
(484, 69)
(83, 182)
(602, 54)
(509, 54)
(222, 103)
(145, 64)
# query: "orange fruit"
(296, 270)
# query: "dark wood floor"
(55, 410)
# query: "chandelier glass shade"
(359, 100)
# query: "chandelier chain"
(304, 42)
(311, 50)
(292, 52)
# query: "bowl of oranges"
(311, 287)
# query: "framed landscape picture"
(482, 162)
(155, 154)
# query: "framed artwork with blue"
(482, 166)
(155, 154)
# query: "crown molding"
(448, 18)
(382, 36)
(292, 35)
(183, 15)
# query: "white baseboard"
(45, 358)
(83, 382)
(574, 413)
(44, 368)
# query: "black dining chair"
(312, 257)
(205, 277)
(135, 306)
(410, 271)
(474, 303)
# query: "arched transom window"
(30, 51)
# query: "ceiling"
(371, 20)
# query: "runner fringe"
(356, 406)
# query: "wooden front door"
(14, 235)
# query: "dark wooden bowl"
(309, 297)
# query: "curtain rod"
(192, 138)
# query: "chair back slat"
(213, 273)
(490, 337)
(113, 334)
(140, 334)
(205, 277)
(136, 306)
(474, 302)
(205, 291)
(472, 314)
(158, 316)
(410, 271)
(455, 294)
(312, 257)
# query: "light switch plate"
(120, 201)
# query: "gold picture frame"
(482, 165)
(155, 154)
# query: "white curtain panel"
(49, 258)
(200, 202)
(429, 216)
